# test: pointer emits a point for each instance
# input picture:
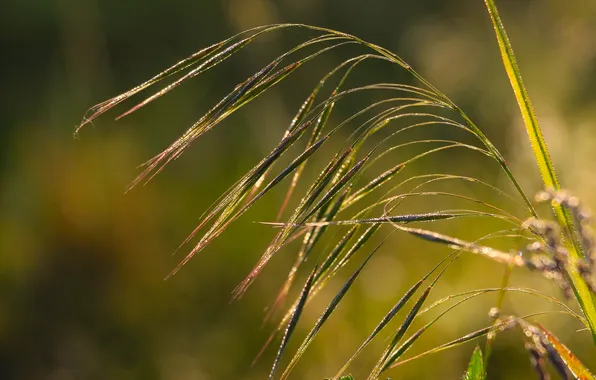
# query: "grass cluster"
(341, 199)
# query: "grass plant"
(343, 197)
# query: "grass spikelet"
(326, 314)
(296, 312)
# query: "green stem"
(585, 298)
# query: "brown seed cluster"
(550, 254)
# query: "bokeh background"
(82, 264)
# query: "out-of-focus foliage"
(82, 264)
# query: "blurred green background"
(82, 264)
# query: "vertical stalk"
(585, 298)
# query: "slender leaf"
(389, 355)
(445, 346)
(585, 298)
(475, 369)
(389, 316)
(326, 314)
(571, 362)
(293, 322)
(461, 340)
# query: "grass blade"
(572, 363)
(235, 196)
(389, 316)
(285, 233)
(485, 251)
(475, 369)
(322, 119)
(293, 322)
(322, 269)
(386, 357)
(445, 346)
(462, 340)
(311, 237)
(390, 362)
(585, 298)
(389, 355)
(323, 318)
(372, 185)
(406, 218)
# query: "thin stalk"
(585, 298)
